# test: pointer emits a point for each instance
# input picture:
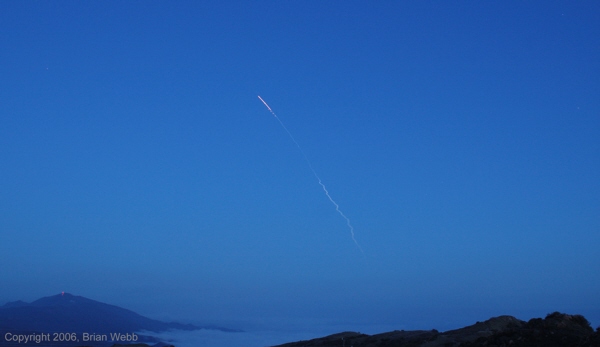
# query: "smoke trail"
(337, 207)
(261, 99)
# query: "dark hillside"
(556, 330)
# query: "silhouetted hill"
(556, 330)
(70, 313)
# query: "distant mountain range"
(556, 330)
(67, 313)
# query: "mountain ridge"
(78, 314)
(556, 330)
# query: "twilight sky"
(461, 139)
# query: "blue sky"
(139, 167)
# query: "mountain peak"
(80, 314)
(63, 299)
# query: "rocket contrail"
(337, 207)
(261, 99)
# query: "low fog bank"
(211, 338)
(260, 332)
